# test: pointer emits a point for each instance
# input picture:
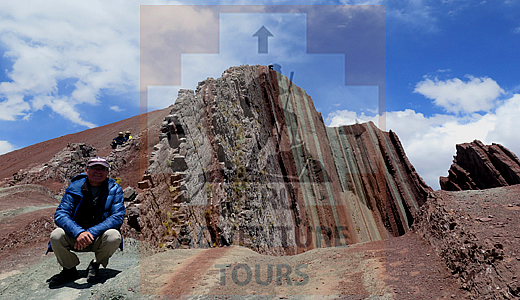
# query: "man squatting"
(89, 218)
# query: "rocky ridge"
(477, 166)
(59, 170)
(247, 160)
(71, 161)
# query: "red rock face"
(259, 168)
(477, 166)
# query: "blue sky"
(451, 66)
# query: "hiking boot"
(65, 276)
(93, 272)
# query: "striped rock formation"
(477, 166)
(247, 160)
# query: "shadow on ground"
(104, 275)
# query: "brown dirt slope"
(477, 233)
(25, 224)
(99, 137)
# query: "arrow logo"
(262, 35)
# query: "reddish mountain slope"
(99, 138)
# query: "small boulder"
(134, 217)
(129, 194)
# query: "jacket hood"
(78, 177)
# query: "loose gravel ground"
(120, 280)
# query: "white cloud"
(116, 108)
(508, 120)
(346, 117)
(457, 96)
(13, 107)
(95, 43)
(64, 108)
(5, 147)
(413, 12)
(516, 30)
(424, 15)
(430, 142)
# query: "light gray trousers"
(103, 247)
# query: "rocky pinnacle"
(247, 160)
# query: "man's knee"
(57, 234)
(112, 236)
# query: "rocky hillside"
(145, 127)
(477, 166)
(477, 234)
(247, 160)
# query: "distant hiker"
(127, 136)
(89, 218)
(118, 140)
(271, 66)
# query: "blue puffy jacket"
(113, 209)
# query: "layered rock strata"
(477, 166)
(247, 160)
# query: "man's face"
(97, 174)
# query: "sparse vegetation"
(209, 190)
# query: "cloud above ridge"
(457, 96)
(5, 147)
(429, 141)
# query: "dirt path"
(414, 271)
(191, 271)
(406, 267)
(21, 197)
(402, 268)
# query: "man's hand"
(83, 240)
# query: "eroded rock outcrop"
(58, 171)
(477, 166)
(247, 160)
(475, 233)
